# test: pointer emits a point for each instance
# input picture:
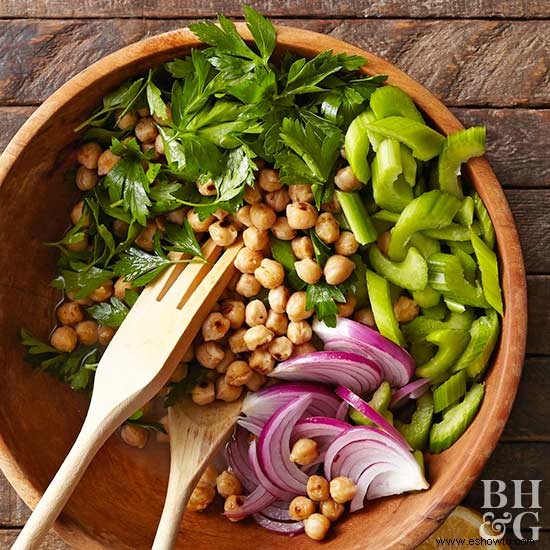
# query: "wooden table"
(488, 60)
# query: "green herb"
(82, 281)
(182, 239)
(322, 297)
(111, 314)
(195, 375)
(139, 267)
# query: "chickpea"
(102, 292)
(228, 358)
(88, 154)
(365, 316)
(105, 334)
(237, 343)
(243, 215)
(299, 332)
(278, 298)
(146, 130)
(327, 228)
(69, 313)
(337, 269)
(280, 348)
(277, 322)
(300, 193)
(282, 230)
(278, 200)
(226, 392)
(330, 509)
(181, 372)
(76, 214)
(159, 145)
(308, 270)
(405, 309)
(247, 260)
(234, 312)
(177, 216)
(85, 178)
(248, 286)
(201, 497)
(86, 332)
(135, 436)
(304, 451)
(232, 503)
(268, 179)
(80, 301)
(223, 232)
(203, 393)
(78, 246)
(317, 488)
(252, 195)
(127, 120)
(303, 349)
(145, 238)
(302, 247)
(64, 339)
(120, 288)
(106, 162)
(262, 216)
(316, 526)
(383, 242)
(257, 380)
(301, 508)
(215, 327)
(209, 476)
(301, 215)
(257, 336)
(261, 361)
(209, 354)
(238, 373)
(346, 181)
(270, 274)
(296, 307)
(146, 147)
(198, 225)
(120, 229)
(207, 189)
(347, 308)
(189, 354)
(332, 206)
(255, 313)
(342, 489)
(228, 484)
(255, 239)
(346, 244)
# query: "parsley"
(157, 107)
(139, 267)
(182, 239)
(111, 314)
(81, 279)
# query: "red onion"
(290, 528)
(342, 411)
(354, 371)
(256, 501)
(396, 364)
(263, 479)
(237, 457)
(363, 483)
(412, 390)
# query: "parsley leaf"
(157, 107)
(139, 267)
(111, 314)
(84, 280)
(262, 30)
(322, 297)
(183, 239)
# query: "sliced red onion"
(363, 483)
(237, 457)
(394, 482)
(250, 424)
(318, 426)
(256, 501)
(278, 511)
(288, 528)
(350, 336)
(372, 414)
(332, 367)
(263, 479)
(412, 390)
(342, 412)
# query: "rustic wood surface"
(487, 59)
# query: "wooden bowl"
(118, 503)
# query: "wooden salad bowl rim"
(456, 469)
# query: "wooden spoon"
(196, 434)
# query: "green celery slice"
(424, 142)
(438, 312)
(456, 420)
(418, 329)
(382, 308)
(418, 430)
(468, 264)
(465, 214)
(411, 273)
(427, 297)
(425, 245)
(453, 232)
(458, 148)
(450, 391)
(451, 343)
(409, 165)
(487, 229)
(361, 294)
(432, 210)
(422, 351)
(379, 401)
(357, 217)
(453, 306)
(389, 100)
(386, 216)
(465, 246)
(488, 265)
(357, 145)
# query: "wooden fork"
(137, 363)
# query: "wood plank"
(487, 63)
(13, 511)
(538, 334)
(52, 541)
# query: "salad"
(365, 303)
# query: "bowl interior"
(119, 500)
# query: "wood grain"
(465, 63)
(538, 335)
(52, 542)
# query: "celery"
(381, 304)
(465, 246)
(386, 216)
(421, 327)
(458, 148)
(453, 232)
(451, 343)
(360, 294)
(432, 210)
(438, 312)
(468, 264)
(483, 338)
(379, 401)
(422, 351)
(465, 215)
(425, 245)
(411, 273)
(453, 306)
(487, 229)
(356, 216)
(424, 142)
(488, 266)
(409, 165)
(417, 431)
(357, 145)
(390, 189)
(427, 297)
(389, 100)
(450, 391)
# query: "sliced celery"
(465, 246)
(432, 210)
(450, 391)
(386, 216)
(453, 232)
(379, 401)
(422, 351)
(487, 229)
(411, 273)
(465, 215)
(438, 312)
(417, 431)
(390, 189)
(488, 266)
(453, 306)
(357, 145)
(409, 165)
(468, 264)
(422, 326)
(382, 308)
(356, 216)
(389, 100)
(427, 297)
(458, 148)
(361, 294)
(425, 245)
(424, 142)
(451, 344)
